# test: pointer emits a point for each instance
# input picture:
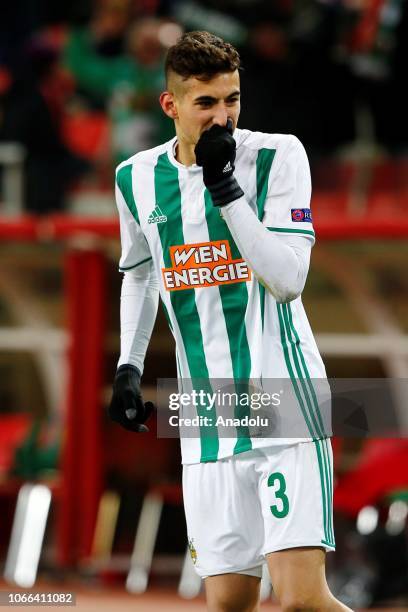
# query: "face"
(197, 105)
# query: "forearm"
(138, 310)
(280, 263)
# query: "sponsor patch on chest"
(204, 264)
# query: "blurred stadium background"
(79, 83)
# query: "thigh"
(298, 574)
(295, 487)
(224, 518)
(232, 593)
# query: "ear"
(167, 102)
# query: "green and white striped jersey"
(225, 324)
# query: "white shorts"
(240, 508)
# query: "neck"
(185, 153)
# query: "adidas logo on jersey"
(156, 216)
(227, 168)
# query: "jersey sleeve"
(135, 249)
(287, 205)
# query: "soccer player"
(217, 222)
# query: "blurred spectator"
(24, 18)
(130, 84)
(222, 18)
(109, 26)
(323, 87)
(375, 46)
(31, 115)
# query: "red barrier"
(336, 226)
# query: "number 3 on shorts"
(281, 510)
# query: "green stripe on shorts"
(292, 349)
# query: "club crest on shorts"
(193, 552)
(301, 214)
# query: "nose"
(220, 116)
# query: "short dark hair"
(201, 55)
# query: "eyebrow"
(212, 99)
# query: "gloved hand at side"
(127, 406)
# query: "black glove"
(127, 406)
(215, 152)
